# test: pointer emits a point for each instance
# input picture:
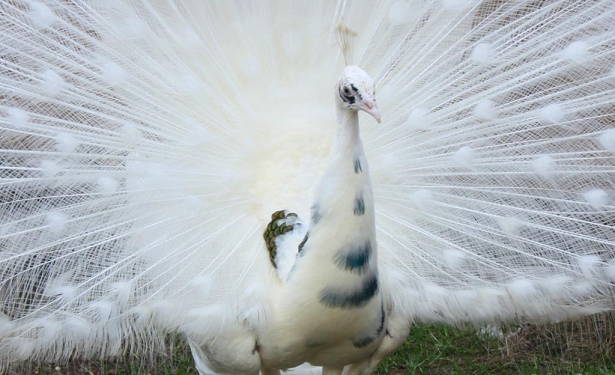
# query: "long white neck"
(345, 205)
(347, 139)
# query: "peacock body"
(144, 146)
(333, 285)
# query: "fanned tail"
(495, 173)
(142, 149)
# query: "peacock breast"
(330, 312)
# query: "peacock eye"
(347, 96)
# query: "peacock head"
(357, 91)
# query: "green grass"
(433, 349)
(582, 347)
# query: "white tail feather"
(143, 147)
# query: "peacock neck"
(347, 139)
(345, 199)
(343, 226)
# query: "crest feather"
(344, 36)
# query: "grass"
(582, 347)
(445, 350)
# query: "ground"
(582, 347)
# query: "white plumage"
(144, 146)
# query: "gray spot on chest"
(357, 166)
(359, 206)
(305, 239)
(352, 298)
(365, 341)
(315, 214)
(355, 259)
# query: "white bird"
(144, 146)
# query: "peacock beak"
(369, 105)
